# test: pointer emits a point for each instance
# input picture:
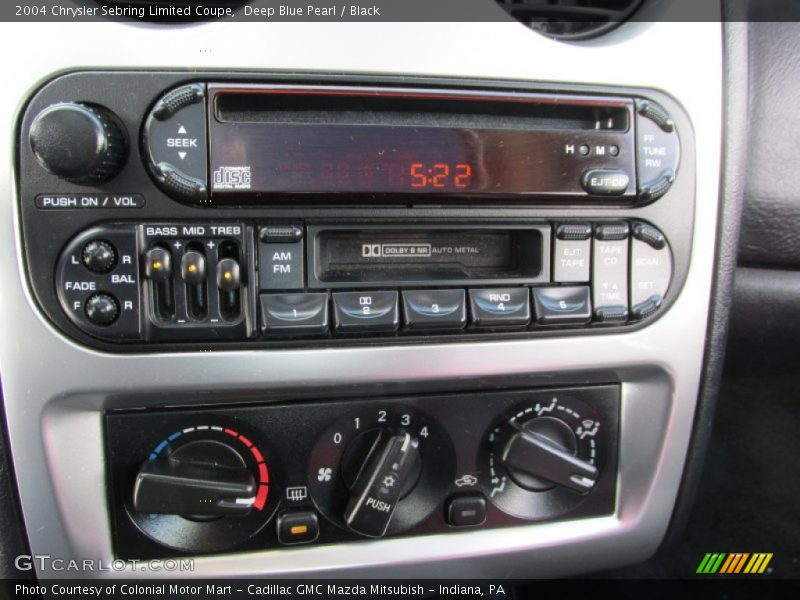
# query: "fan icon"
(324, 474)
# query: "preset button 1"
(289, 313)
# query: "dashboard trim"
(55, 390)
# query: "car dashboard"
(357, 300)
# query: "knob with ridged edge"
(78, 142)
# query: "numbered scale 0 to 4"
(381, 470)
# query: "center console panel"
(171, 212)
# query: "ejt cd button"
(366, 311)
(500, 307)
(435, 309)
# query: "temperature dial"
(381, 471)
(545, 459)
(204, 488)
(205, 478)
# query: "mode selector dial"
(78, 142)
(546, 458)
(543, 453)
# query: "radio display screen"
(296, 146)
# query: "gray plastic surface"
(56, 390)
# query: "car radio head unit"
(224, 144)
(286, 212)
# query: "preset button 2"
(366, 311)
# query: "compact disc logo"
(232, 178)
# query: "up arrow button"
(175, 141)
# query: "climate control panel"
(268, 476)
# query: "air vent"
(571, 19)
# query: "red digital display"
(342, 144)
(440, 175)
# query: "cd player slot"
(321, 106)
(428, 256)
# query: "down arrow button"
(175, 141)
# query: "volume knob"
(78, 142)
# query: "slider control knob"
(229, 275)
(158, 264)
(193, 267)
(391, 463)
(78, 142)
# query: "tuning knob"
(202, 479)
(390, 464)
(78, 142)
(542, 454)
